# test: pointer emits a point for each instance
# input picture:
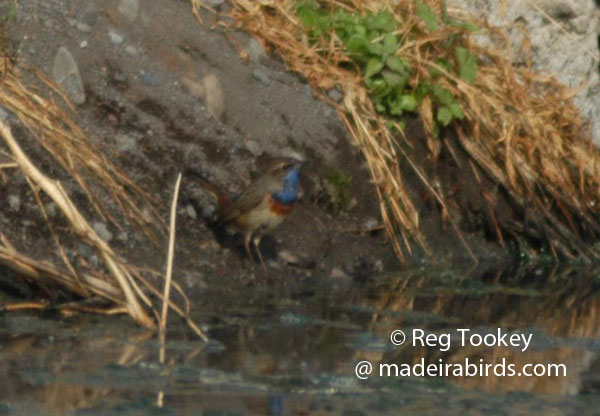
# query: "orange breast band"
(279, 208)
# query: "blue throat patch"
(289, 192)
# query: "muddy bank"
(160, 98)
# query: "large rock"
(564, 42)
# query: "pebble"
(115, 37)
(255, 50)
(260, 75)
(52, 209)
(123, 236)
(130, 50)
(148, 78)
(191, 211)
(129, 9)
(83, 44)
(103, 231)
(14, 202)
(335, 94)
(370, 224)
(125, 143)
(85, 250)
(66, 73)
(338, 273)
(213, 96)
(83, 27)
(253, 147)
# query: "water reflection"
(293, 349)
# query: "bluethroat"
(263, 205)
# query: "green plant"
(335, 193)
(372, 41)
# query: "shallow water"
(292, 350)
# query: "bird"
(262, 205)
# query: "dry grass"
(520, 128)
(122, 286)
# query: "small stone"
(14, 202)
(66, 73)
(335, 94)
(260, 75)
(209, 211)
(129, 9)
(115, 37)
(253, 147)
(213, 96)
(191, 211)
(83, 27)
(85, 250)
(52, 209)
(83, 44)
(102, 231)
(125, 143)
(288, 257)
(338, 273)
(308, 90)
(130, 50)
(123, 236)
(148, 78)
(255, 50)
(296, 260)
(94, 261)
(370, 224)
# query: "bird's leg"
(247, 239)
(256, 242)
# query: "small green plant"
(372, 42)
(335, 192)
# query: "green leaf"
(380, 107)
(397, 64)
(442, 95)
(392, 78)
(375, 48)
(444, 115)
(408, 102)
(373, 67)
(428, 17)
(390, 44)
(378, 85)
(357, 43)
(467, 63)
(456, 111)
(384, 21)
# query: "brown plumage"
(263, 205)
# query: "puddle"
(294, 351)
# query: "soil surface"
(161, 94)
